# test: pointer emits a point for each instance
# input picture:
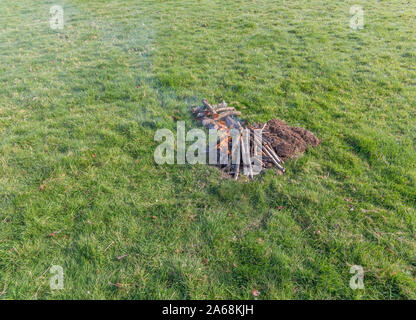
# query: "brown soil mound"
(289, 141)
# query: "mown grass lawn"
(79, 186)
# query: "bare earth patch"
(289, 141)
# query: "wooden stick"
(223, 104)
(273, 153)
(227, 114)
(266, 150)
(268, 153)
(258, 160)
(207, 105)
(274, 161)
(231, 123)
(266, 144)
(219, 110)
(267, 158)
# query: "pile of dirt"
(289, 141)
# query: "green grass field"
(79, 186)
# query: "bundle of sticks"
(239, 147)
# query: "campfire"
(250, 148)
